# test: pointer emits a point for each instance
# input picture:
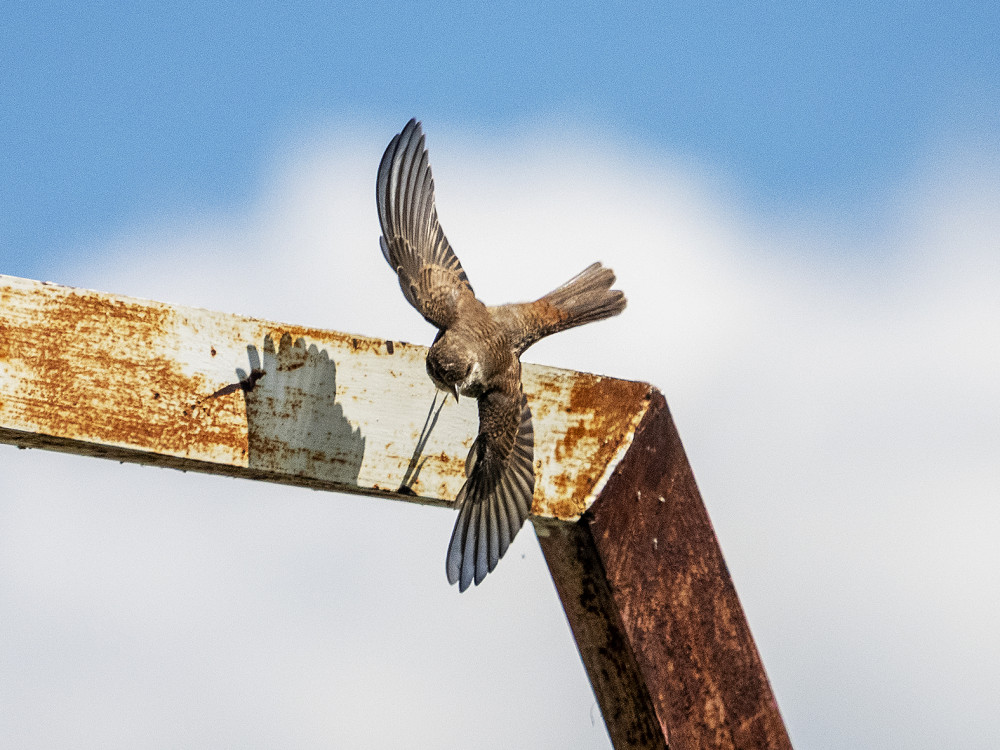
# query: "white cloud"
(841, 412)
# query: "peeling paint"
(600, 414)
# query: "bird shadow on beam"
(294, 424)
(417, 460)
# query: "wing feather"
(412, 242)
(496, 497)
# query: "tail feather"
(586, 297)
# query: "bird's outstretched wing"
(496, 497)
(412, 241)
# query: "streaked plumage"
(476, 352)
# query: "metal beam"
(133, 380)
(620, 520)
(654, 611)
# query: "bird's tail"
(586, 297)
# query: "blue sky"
(802, 203)
(112, 113)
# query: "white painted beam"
(105, 375)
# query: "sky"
(803, 207)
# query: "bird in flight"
(476, 352)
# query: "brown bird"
(476, 352)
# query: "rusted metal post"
(654, 611)
(624, 531)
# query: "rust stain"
(94, 379)
(323, 338)
(5, 338)
(603, 409)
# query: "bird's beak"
(454, 392)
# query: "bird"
(476, 352)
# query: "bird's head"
(454, 368)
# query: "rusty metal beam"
(133, 380)
(624, 531)
(654, 611)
